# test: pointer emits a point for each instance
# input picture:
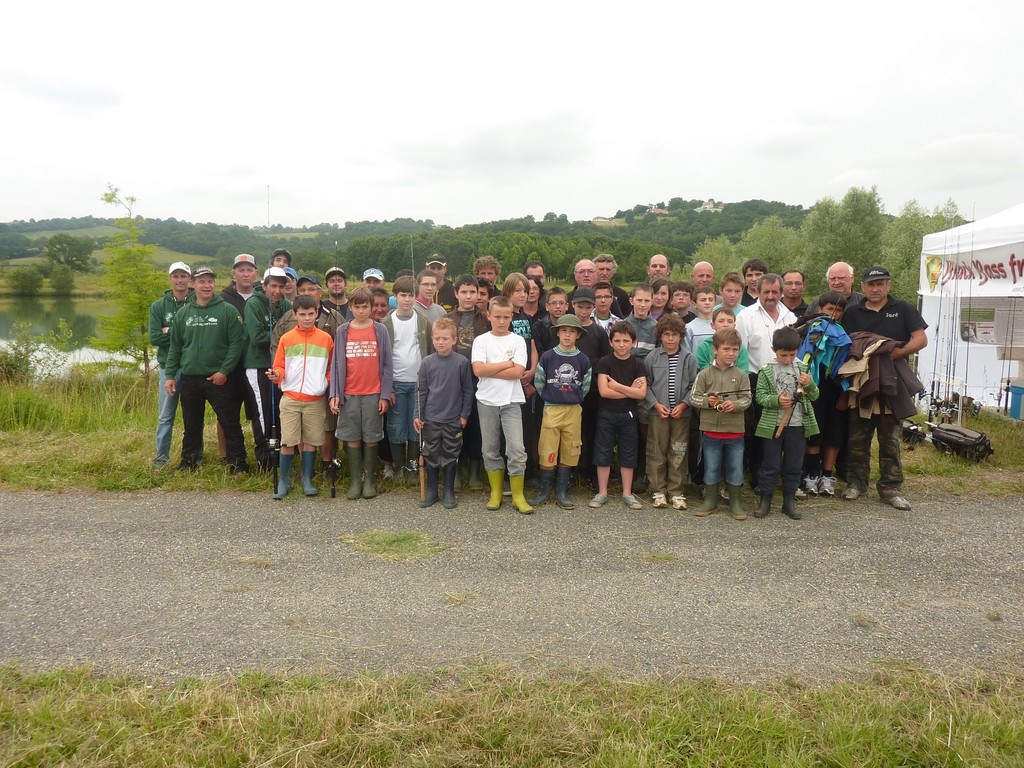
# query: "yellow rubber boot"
(515, 482)
(496, 479)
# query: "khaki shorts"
(302, 421)
(561, 439)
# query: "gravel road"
(166, 585)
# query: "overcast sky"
(469, 112)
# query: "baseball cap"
(335, 271)
(876, 273)
(289, 272)
(436, 259)
(274, 272)
(200, 271)
(244, 258)
(583, 293)
(373, 272)
(309, 279)
(282, 252)
(179, 266)
(569, 321)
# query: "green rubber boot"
(369, 471)
(355, 471)
(308, 467)
(284, 476)
(735, 504)
(710, 501)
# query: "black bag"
(950, 439)
(961, 441)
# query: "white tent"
(972, 297)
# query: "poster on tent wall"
(972, 297)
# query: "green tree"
(849, 231)
(901, 243)
(26, 281)
(70, 251)
(781, 247)
(132, 282)
(720, 253)
(62, 280)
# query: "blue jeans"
(716, 452)
(401, 414)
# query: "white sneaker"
(659, 500)
(388, 473)
(811, 485)
(679, 502)
(827, 486)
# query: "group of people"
(533, 385)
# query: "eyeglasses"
(603, 297)
(557, 303)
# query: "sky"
(464, 112)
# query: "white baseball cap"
(179, 266)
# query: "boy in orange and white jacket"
(302, 366)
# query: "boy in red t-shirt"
(361, 385)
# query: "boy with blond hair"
(499, 362)
(444, 402)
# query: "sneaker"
(632, 502)
(851, 494)
(679, 502)
(388, 473)
(659, 500)
(811, 486)
(827, 486)
(723, 492)
(800, 494)
(159, 463)
(506, 489)
(598, 501)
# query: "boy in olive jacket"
(722, 394)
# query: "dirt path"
(196, 584)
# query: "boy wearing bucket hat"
(562, 381)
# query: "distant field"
(611, 223)
(285, 235)
(102, 230)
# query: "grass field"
(492, 716)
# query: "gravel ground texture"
(193, 584)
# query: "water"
(44, 315)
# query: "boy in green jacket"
(785, 391)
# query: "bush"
(62, 280)
(26, 281)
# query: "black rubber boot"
(562, 477)
(430, 498)
(766, 506)
(450, 473)
(789, 506)
(544, 479)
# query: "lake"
(44, 314)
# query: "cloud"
(60, 91)
(507, 150)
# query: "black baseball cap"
(876, 273)
(308, 279)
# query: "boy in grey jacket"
(671, 372)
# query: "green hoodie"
(161, 313)
(258, 328)
(205, 340)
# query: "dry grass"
(393, 545)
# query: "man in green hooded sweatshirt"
(206, 344)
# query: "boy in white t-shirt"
(499, 362)
(410, 344)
